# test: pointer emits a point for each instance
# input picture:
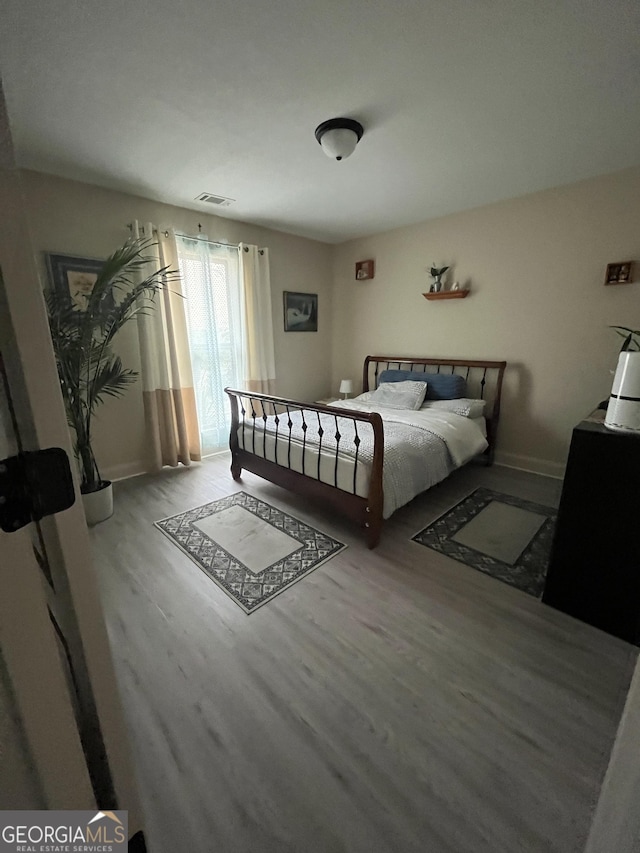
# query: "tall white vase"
(623, 412)
(98, 506)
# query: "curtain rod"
(216, 242)
(186, 236)
(204, 240)
(201, 239)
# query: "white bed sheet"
(421, 448)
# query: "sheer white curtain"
(259, 358)
(230, 325)
(169, 402)
(211, 275)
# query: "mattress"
(421, 447)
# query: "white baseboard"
(509, 460)
(530, 463)
(123, 471)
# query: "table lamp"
(346, 387)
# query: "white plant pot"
(98, 506)
(623, 411)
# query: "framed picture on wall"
(75, 276)
(300, 312)
(620, 273)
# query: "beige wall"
(67, 217)
(536, 267)
(535, 264)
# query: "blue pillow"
(440, 386)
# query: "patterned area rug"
(501, 535)
(251, 549)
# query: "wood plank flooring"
(392, 701)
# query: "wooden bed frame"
(484, 381)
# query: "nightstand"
(327, 401)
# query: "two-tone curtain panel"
(259, 359)
(168, 389)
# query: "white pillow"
(463, 406)
(399, 395)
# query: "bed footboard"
(314, 450)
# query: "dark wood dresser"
(594, 569)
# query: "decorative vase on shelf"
(623, 411)
(436, 274)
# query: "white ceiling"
(464, 102)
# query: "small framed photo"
(300, 312)
(365, 270)
(620, 273)
(75, 276)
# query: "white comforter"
(420, 448)
(459, 434)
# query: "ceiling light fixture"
(339, 137)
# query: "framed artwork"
(620, 273)
(300, 312)
(75, 276)
(365, 270)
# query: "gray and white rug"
(501, 535)
(251, 549)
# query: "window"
(211, 282)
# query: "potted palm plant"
(83, 329)
(631, 342)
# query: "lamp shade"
(623, 411)
(346, 386)
(339, 143)
(339, 137)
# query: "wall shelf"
(447, 294)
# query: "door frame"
(73, 599)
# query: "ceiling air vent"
(220, 200)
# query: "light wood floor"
(392, 701)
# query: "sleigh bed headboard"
(483, 379)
